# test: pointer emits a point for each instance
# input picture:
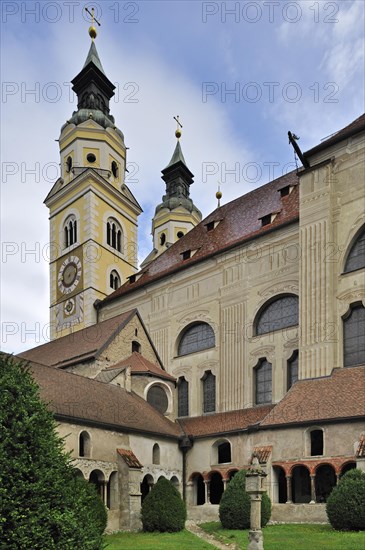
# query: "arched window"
(114, 234)
(182, 397)
(136, 346)
(157, 397)
(224, 452)
(114, 280)
(156, 454)
(115, 170)
(162, 239)
(68, 164)
(316, 440)
(70, 231)
(292, 368)
(263, 382)
(353, 336)
(356, 257)
(208, 392)
(279, 313)
(84, 444)
(196, 337)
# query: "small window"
(162, 239)
(156, 454)
(285, 191)
(356, 257)
(84, 444)
(353, 336)
(90, 157)
(114, 280)
(279, 313)
(157, 398)
(70, 231)
(316, 437)
(265, 220)
(114, 234)
(224, 453)
(115, 170)
(183, 396)
(263, 383)
(180, 234)
(210, 226)
(68, 164)
(208, 392)
(195, 338)
(136, 347)
(293, 369)
(186, 255)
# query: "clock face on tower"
(69, 274)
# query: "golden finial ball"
(178, 134)
(92, 32)
(218, 195)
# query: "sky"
(238, 74)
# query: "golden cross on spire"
(92, 29)
(219, 194)
(178, 127)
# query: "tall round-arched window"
(356, 256)
(114, 279)
(70, 231)
(263, 382)
(353, 336)
(196, 337)
(114, 234)
(282, 312)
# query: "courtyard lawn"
(289, 537)
(156, 541)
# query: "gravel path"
(199, 532)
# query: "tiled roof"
(340, 395)
(79, 346)
(130, 458)
(141, 365)
(214, 424)
(78, 398)
(360, 453)
(262, 453)
(240, 221)
(356, 126)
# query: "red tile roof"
(130, 458)
(355, 127)
(262, 453)
(219, 423)
(338, 396)
(77, 398)
(239, 222)
(82, 345)
(141, 365)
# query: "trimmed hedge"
(163, 508)
(43, 505)
(346, 504)
(235, 505)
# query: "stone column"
(289, 496)
(255, 487)
(313, 489)
(337, 478)
(225, 482)
(207, 492)
(105, 492)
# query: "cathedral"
(240, 335)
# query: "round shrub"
(235, 505)
(346, 504)
(163, 509)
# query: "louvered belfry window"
(281, 313)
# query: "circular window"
(180, 234)
(91, 157)
(158, 399)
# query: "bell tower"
(93, 214)
(177, 213)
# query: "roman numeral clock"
(69, 290)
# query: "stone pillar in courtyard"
(255, 478)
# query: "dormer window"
(266, 220)
(284, 191)
(212, 225)
(186, 254)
